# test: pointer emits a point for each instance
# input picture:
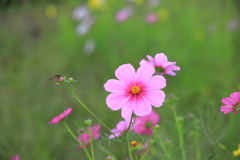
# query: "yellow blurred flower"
(163, 14)
(138, 2)
(51, 11)
(95, 4)
(237, 152)
(199, 35)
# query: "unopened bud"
(88, 122)
(60, 79)
(71, 79)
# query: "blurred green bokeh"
(37, 39)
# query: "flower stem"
(180, 133)
(129, 150)
(91, 146)
(71, 133)
(101, 122)
(164, 148)
(125, 135)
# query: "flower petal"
(144, 62)
(228, 101)
(161, 59)
(114, 85)
(154, 97)
(141, 106)
(155, 82)
(125, 73)
(127, 110)
(115, 101)
(144, 73)
(235, 97)
(151, 60)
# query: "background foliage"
(201, 36)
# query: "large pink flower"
(86, 137)
(144, 125)
(61, 116)
(121, 127)
(16, 157)
(232, 103)
(135, 91)
(161, 64)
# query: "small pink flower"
(61, 116)
(151, 18)
(86, 137)
(135, 91)
(60, 79)
(144, 125)
(16, 157)
(123, 14)
(161, 64)
(232, 103)
(121, 127)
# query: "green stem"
(129, 150)
(91, 145)
(198, 155)
(180, 134)
(102, 148)
(101, 122)
(71, 133)
(164, 148)
(125, 135)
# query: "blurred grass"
(33, 48)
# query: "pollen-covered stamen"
(136, 90)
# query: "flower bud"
(60, 79)
(71, 79)
(88, 122)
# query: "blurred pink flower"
(161, 64)
(61, 116)
(121, 127)
(135, 91)
(123, 14)
(151, 18)
(16, 157)
(144, 125)
(86, 137)
(232, 103)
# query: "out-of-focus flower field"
(93, 38)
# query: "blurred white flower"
(89, 46)
(80, 12)
(153, 3)
(124, 14)
(85, 25)
(233, 24)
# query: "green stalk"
(180, 134)
(101, 122)
(71, 133)
(129, 150)
(125, 135)
(164, 148)
(91, 145)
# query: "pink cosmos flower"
(121, 127)
(135, 91)
(151, 18)
(61, 116)
(86, 137)
(144, 125)
(232, 103)
(123, 14)
(161, 64)
(16, 157)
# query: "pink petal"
(144, 62)
(127, 110)
(151, 60)
(155, 97)
(155, 82)
(122, 126)
(160, 59)
(126, 73)
(115, 101)
(114, 85)
(228, 101)
(235, 97)
(144, 73)
(169, 72)
(141, 106)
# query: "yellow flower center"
(136, 90)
